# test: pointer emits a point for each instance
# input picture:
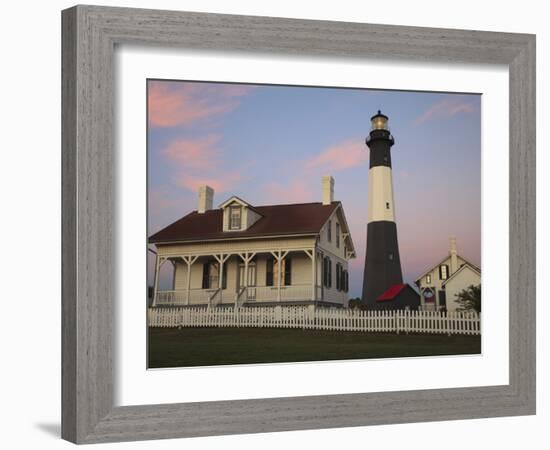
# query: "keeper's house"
(440, 284)
(246, 255)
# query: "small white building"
(241, 254)
(440, 284)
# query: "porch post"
(314, 274)
(220, 279)
(221, 258)
(156, 281)
(246, 271)
(189, 260)
(277, 256)
(279, 263)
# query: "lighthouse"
(382, 264)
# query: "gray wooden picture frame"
(90, 34)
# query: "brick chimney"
(206, 199)
(327, 183)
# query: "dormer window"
(235, 217)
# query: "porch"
(241, 278)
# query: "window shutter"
(205, 271)
(288, 271)
(338, 276)
(329, 272)
(344, 273)
(269, 272)
(224, 281)
(346, 281)
(326, 272)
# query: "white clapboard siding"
(318, 319)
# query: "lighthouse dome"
(379, 121)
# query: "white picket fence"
(395, 321)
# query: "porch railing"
(213, 297)
(288, 293)
(299, 292)
(241, 296)
(179, 297)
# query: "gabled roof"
(240, 201)
(442, 261)
(276, 220)
(464, 266)
(392, 292)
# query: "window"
(337, 235)
(327, 272)
(341, 278)
(428, 279)
(272, 272)
(211, 275)
(235, 218)
(269, 271)
(443, 271)
(387, 205)
(287, 271)
(329, 231)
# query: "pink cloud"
(296, 191)
(345, 155)
(160, 201)
(181, 103)
(199, 161)
(220, 183)
(447, 107)
(200, 153)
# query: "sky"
(271, 144)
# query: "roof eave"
(236, 238)
(467, 264)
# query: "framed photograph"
(278, 224)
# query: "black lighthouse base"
(382, 263)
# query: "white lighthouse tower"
(382, 262)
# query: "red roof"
(276, 220)
(391, 293)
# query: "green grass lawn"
(170, 347)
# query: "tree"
(354, 303)
(469, 299)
